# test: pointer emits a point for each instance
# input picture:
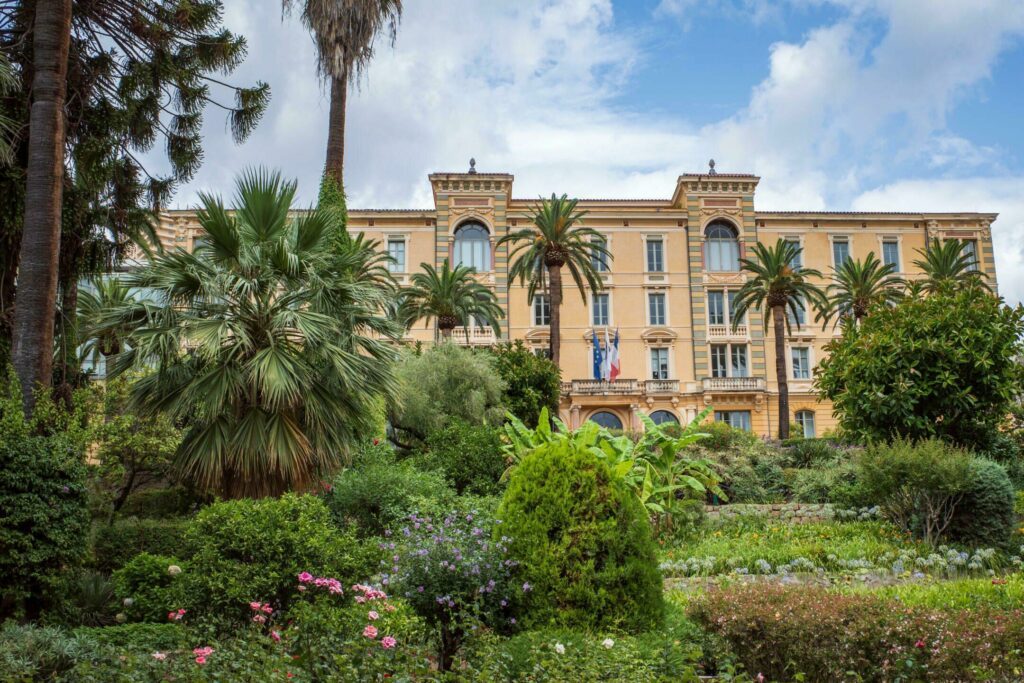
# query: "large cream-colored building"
(667, 289)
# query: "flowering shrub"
(148, 586)
(453, 574)
(781, 631)
(249, 550)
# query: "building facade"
(668, 288)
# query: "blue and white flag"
(598, 359)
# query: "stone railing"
(473, 336)
(726, 331)
(734, 384)
(661, 386)
(597, 387)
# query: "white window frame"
(727, 295)
(839, 237)
(607, 240)
(593, 309)
(663, 241)
(706, 242)
(799, 239)
(810, 363)
(729, 346)
(666, 322)
(803, 424)
(402, 268)
(533, 310)
(887, 239)
(668, 361)
(750, 419)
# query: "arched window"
(606, 420)
(660, 417)
(721, 248)
(805, 418)
(473, 247)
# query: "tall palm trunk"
(40, 243)
(555, 277)
(779, 320)
(335, 166)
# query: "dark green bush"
(149, 587)
(253, 550)
(723, 437)
(750, 471)
(468, 456)
(811, 452)
(175, 501)
(378, 492)
(1005, 450)
(583, 540)
(31, 653)
(531, 382)
(114, 545)
(44, 515)
(90, 600)
(985, 516)
(833, 483)
(144, 638)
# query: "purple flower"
(527, 587)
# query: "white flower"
(559, 648)
(174, 570)
(121, 617)
(159, 656)
(608, 643)
(128, 602)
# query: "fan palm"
(7, 126)
(344, 32)
(858, 286)
(451, 297)
(266, 337)
(556, 240)
(773, 286)
(947, 265)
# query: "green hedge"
(584, 542)
(114, 545)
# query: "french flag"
(612, 356)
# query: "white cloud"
(531, 88)
(1004, 196)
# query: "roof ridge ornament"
(472, 166)
(711, 167)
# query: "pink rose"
(254, 606)
(200, 660)
(372, 615)
(370, 631)
(387, 642)
(276, 636)
(305, 577)
(159, 656)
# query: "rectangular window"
(798, 260)
(656, 308)
(800, 319)
(659, 363)
(716, 308)
(601, 317)
(971, 252)
(598, 260)
(801, 363)
(741, 320)
(891, 254)
(541, 310)
(739, 361)
(655, 255)
(396, 250)
(719, 362)
(840, 251)
(737, 419)
(542, 351)
(805, 419)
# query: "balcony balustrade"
(734, 384)
(661, 386)
(726, 331)
(474, 336)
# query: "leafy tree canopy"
(945, 365)
(531, 382)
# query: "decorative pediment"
(658, 335)
(538, 335)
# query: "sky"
(910, 105)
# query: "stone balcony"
(727, 332)
(470, 336)
(620, 387)
(724, 384)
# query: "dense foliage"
(446, 382)
(469, 457)
(288, 353)
(378, 492)
(532, 382)
(114, 544)
(945, 365)
(43, 498)
(781, 631)
(583, 540)
(249, 550)
(150, 587)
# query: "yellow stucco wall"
(679, 222)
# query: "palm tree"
(858, 286)
(34, 310)
(344, 32)
(451, 297)
(948, 266)
(100, 336)
(7, 125)
(774, 285)
(556, 240)
(266, 338)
